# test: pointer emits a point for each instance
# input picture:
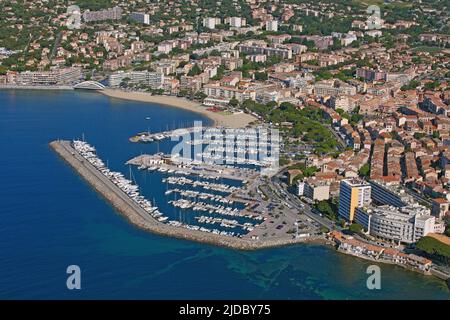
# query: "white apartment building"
(210, 23)
(140, 17)
(272, 25)
(333, 88)
(228, 93)
(154, 80)
(236, 22)
(46, 78)
(406, 224)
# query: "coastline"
(239, 120)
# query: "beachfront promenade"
(139, 217)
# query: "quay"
(139, 217)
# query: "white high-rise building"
(354, 193)
(140, 17)
(210, 23)
(237, 22)
(272, 25)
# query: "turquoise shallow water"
(50, 218)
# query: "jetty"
(138, 216)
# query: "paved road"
(295, 202)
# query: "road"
(295, 202)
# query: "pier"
(139, 217)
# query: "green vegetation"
(352, 118)
(234, 102)
(364, 171)
(356, 228)
(195, 70)
(413, 84)
(329, 208)
(431, 85)
(435, 249)
(308, 123)
(419, 135)
(324, 229)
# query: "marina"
(124, 195)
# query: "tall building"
(140, 17)
(210, 23)
(354, 193)
(272, 25)
(371, 74)
(106, 14)
(389, 194)
(236, 22)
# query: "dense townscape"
(361, 99)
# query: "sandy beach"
(233, 121)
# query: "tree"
(364, 170)
(261, 76)
(234, 102)
(356, 228)
(419, 135)
(328, 208)
(195, 70)
(200, 95)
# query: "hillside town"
(362, 101)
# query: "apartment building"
(154, 80)
(212, 90)
(272, 25)
(64, 76)
(283, 53)
(406, 224)
(106, 14)
(389, 194)
(353, 193)
(333, 88)
(140, 17)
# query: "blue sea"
(50, 219)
